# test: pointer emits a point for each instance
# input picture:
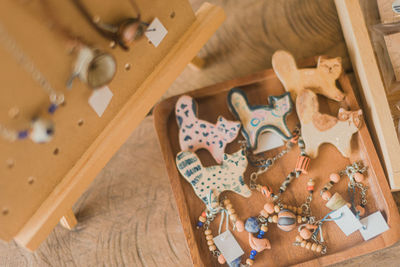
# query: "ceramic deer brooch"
(209, 182)
(321, 80)
(257, 120)
(195, 134)
(318, 128)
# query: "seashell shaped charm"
(93, 67)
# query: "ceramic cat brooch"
(195, 134)
(209, 182)
(321, 80)
(257, 120)
(318, 128)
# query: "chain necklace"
(40, 130)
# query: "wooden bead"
(202, 219)
(289, 207)
(319, 248)
(229, 206)
(264, 228)
(226, 202)
(210, 242)
(326, 195)
(285, 206)
(239, 226)
(249, 262)
(269, 207)
(310, 182)
(314, 247)
(277, 209)
(334, 177)
(308, 245)
(231, 211)
(303, 244)
(270, 219)
(299, 210)
(209, 237)
(299, 239)
(207, 232)
(212, 247)
(233, 217)
(359, 177)
(299, 219)
(264, 213)
(221, 259)
(361, 210)
(275, 218)
(305, 233)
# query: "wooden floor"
(128, 216)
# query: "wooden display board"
(40, 182)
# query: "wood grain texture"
(128, 215)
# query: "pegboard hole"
(128, 66)
(13, 112)
(113, 44)
(81, 122)
(31, 180)
(56, 151)
(5, 211)
(172, 15)
(10, 163)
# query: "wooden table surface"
(128, 216)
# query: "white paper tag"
(346, 220)
(228, 246)
(373, 225)
(100, 99)
(268, 141)
(156, 32)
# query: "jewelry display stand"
(39, 183)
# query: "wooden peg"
(69, 220)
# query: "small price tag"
(156, 32)
(228, 246)
(268, 141)
(100, 99)
(373, 225)
(346, 220)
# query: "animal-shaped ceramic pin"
(195, 134)
(322, 79)
(214, 179)
(318, 128)
(257, 120)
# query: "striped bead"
(286, 220)
(302, 164)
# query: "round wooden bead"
(285, 206)
(303, 244)
(334, 177)
(305, 233)
(231, 211)
(286, 220)
(221, 259)
(310, 182)
(319, 248)
(264, 228)
(269, 207)
(209, 237)
(229, 206)
(361, 210)
(359, 177)
(239, 226)
(207, 232)
(308, 245)
(249, 262)
(289, 207)
(202, 219)
(299, 239)
(275, 218)
(226, 202)
(326, 195)
(210, 242)
(212, 247)
(299, 219)
(233, 217)
(299, 210)
(314, 247)
(264, 213)
(277, 209)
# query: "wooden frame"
(57, 204)
(372, 91)
(257, 87)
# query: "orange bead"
(359, 177)
(361, 210)
(334, 177)
(326, 195)
(269, 207)
(305, 233)
(239, 226)
(221, 259)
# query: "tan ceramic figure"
(318, 128)
(321, 80)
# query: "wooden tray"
(211, 103)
